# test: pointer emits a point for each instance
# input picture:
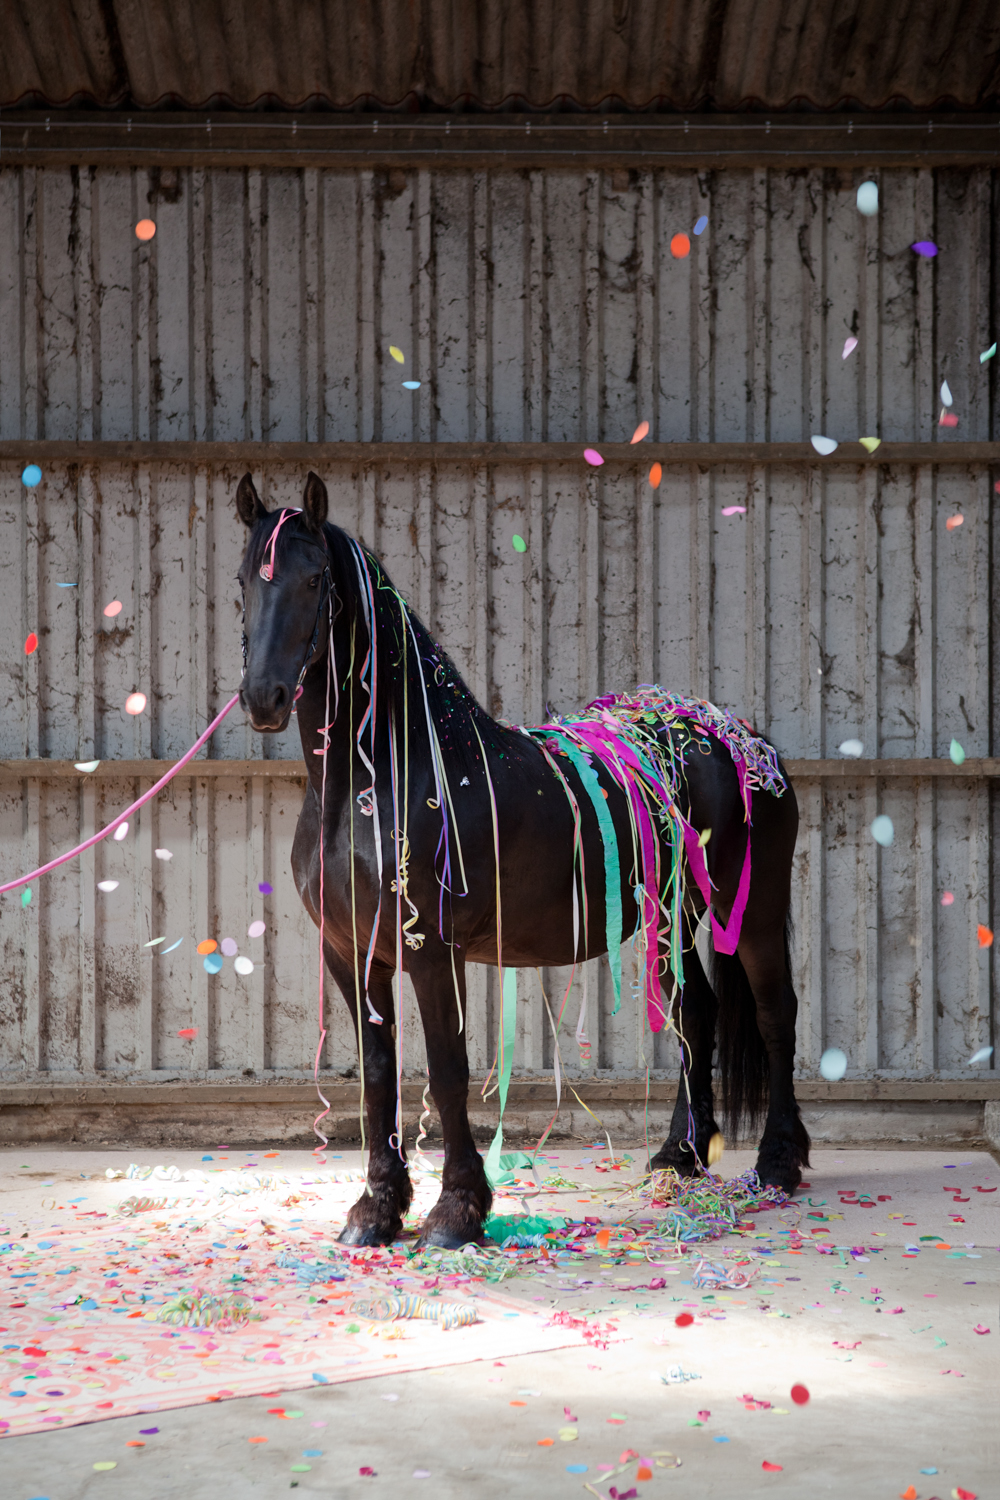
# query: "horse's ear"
(248, 503)
(315, 502)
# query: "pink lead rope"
(53, 864)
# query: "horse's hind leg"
(784, 1146)
(377, 1217)
(694, 1017)
(457, 1217)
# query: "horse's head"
(286, 583)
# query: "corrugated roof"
(726, 55)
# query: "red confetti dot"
(771, 1468)
(145, 229)
(800, 1395)
(683, 1320)
(680, 246)
(31, 644)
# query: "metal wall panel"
(838, 606)
(532, 305)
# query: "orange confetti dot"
(680, 246)
(655, 475)
(602, 1237)
(188, 1031)
(145, 229)
(639, 433)
(546, 1443)
(517, 1403)
(31, 644)
(643, 1472)
(208, 946)
(257, 1440)
(985, 936)
(135, 1443)
(953, 521)
(910, 1493)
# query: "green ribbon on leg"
(495, 1171)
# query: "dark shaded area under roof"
(476, 55)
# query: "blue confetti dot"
(31, 475)
(411, 385)
(212, 963)
(312, 1453)
(208, 1158)
(576, 1468)
(701, 225)
(720, 1440)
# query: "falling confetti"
(656, 474)
(243, 966)
(121, 832)
(926, 248)
(229, 947)
(946, 396)
(145, 229)
(956, 753)
(823, 445)
(209, 945)
(833, 1064)
(593, 457)
(31, 644)
(799, 1394)
(947, 418)
(716, 1148)
(107, 885)
(135, 703)
(26, 896)
(734, 510)
(680, 246)
(31, 475)
(983, 1055)
(411, 385)
(256, 929)
(701, 225)
(853, 748)
(948, 899)
(154, 942)
(870, 443)
(397, 354)
(66, 585)
(868, 199)
(86, 765)
(212, 964)
(953, 522)
(188, 1031)
(265, 889)
(985, 936)
(882, 830)
(518, 543)
(639, 433)
(849, 347)
(114, 608)
(165, 951)
(987, 354)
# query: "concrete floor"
(880, 1412)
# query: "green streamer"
(495, 1172)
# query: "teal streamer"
(612, 864)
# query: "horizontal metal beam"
(524, 1091)
(913, 768)
(618, 455)
(59, 138)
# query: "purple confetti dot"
(265, 889)
(229, 947)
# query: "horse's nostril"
(280, 698)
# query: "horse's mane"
(454, 708)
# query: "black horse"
(485, 868)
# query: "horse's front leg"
(784, 1146)
(457, 1217)
(377, 1217)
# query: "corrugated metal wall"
(533, 306)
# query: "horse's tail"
(743, 1065)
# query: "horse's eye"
(314, 582)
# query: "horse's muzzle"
(267, 705)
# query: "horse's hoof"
(368, 1234)
(440, 1237)
(780, 1169)
(676, 1155)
